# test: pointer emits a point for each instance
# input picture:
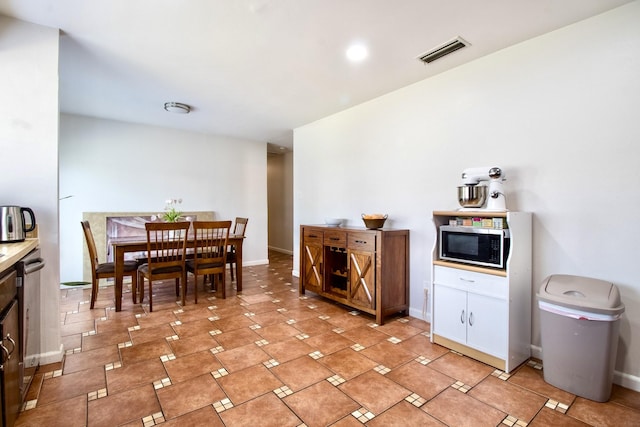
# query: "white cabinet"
(485, 313)
(471, 309)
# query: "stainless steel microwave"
(487, 247)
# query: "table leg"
(119, 264)
(239, 264)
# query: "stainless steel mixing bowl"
(472, 196)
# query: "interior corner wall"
(280, 201)
(113, 166)
(559, 114)
(29, 152)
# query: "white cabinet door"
(487, 324)
(450, 313)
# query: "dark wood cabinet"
(364, 269)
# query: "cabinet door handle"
(362, 242)
(462, 317)
(471, 319)
(467, 280)
(334, 238)
(313, 235)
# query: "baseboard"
(623, 379)
(284, 251)
(256, 262)
(418, 314)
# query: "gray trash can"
(579, 327)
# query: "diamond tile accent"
(303, 297)
(312, 306)
(283, 391)
(53, 374)
(460, 386)
(302, 336)
(255, 326)
(275, 301)
(112, 366)
(215, 332)
(73, 351)
(165, 382)
(216, 350)
(177, 322)
(212, 307)
(557, 406)
(422, 360)
(30, 404)
(534, 365)
(153, 419)
(338, 330)
(281, 310)
(415, 400)
(98, 394)
(381, 369)
(125, 344)
(324, 317)
(271, 363)
(394, 340)
(363, 415)
(261, 343)
(403, 320)
(291, 321)
(178, 311)
(249, 314)
(426, 334)
(501, 375)
(89, 333)
(511, 421)
(222, 372)
(357, 347)
(336, 380)
(134, 328)
(316, 355)
(222, 405)
(172, 338)
(372, 325)
(168, 357)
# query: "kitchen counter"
(10, 253)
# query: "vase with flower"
(171, 214)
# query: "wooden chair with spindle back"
(210, 253)
(238, 230)
(166, 254)
(105, 270)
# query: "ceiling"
(257, 69)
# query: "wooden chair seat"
(109, 267)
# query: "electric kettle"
(13, 224)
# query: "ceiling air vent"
(443, 50)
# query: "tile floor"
(268, 357)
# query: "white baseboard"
(284, 251)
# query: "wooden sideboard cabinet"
(364, 269)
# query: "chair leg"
(150, 295)
(231, 268)
(134, 287)
(224, 284)
(184, 289)
(141, 287)
(195, 288)
(94, 292)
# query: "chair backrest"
(210, 242)
(166, 243)
(240, 227)
(91, 244)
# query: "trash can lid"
(582, 293)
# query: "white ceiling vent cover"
(443, 50)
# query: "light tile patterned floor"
(270, 357)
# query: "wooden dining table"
(122, 246)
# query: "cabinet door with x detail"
(362, 280)
(312, 267)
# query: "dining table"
(124, 245)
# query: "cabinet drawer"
(312, 236)
(335, 238)
(362, 241)
(471, 281)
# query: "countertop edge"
(13, 252)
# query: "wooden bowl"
(374, 223)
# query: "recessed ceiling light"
(357, 52)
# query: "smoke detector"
(443, 50)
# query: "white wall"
(558, 113)
(29, 151)
(115, 166)
(280, 201)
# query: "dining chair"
(166, 252)
(210, 240)
(238, 230)
(105, 270)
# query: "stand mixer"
(472, 195)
